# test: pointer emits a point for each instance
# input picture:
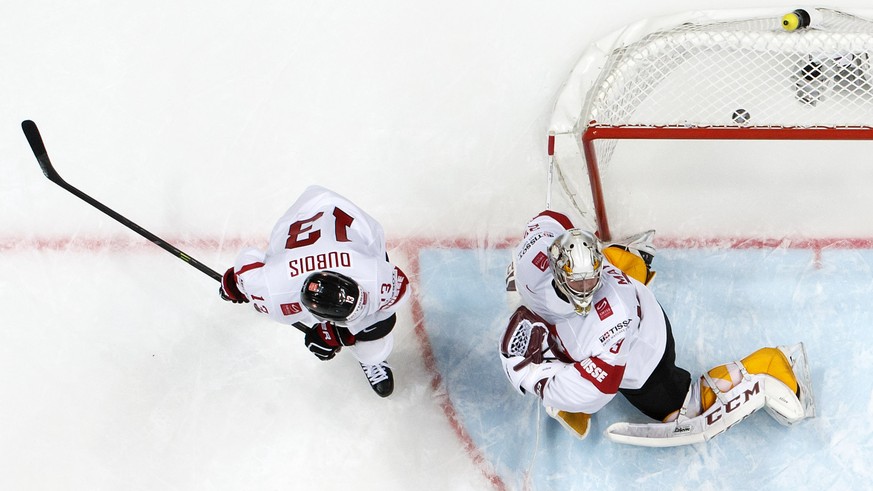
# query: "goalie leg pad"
(633, 255)
(796, 355)
(630, 263)
(782, 403)
(728, 409)
(729, 394)
(765, 361)
(577, 424)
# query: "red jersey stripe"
(558, 217)
(604, 376)
(249, 267)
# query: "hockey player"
(590, 328)
(326, 270)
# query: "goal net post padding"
(711, 75)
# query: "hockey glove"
(228, 289)
(326, 339)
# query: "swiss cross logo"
(291, 308)
(603, 309)
(541, 261)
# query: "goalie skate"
(759, 391)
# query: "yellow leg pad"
(630, 263)
(774, 363)
(770, 361)
(577, 423)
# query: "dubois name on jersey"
(322, 231)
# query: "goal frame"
(572, 117)
(595, 132)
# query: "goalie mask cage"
(715, 75)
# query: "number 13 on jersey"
(301, 233)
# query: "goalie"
(590, 328)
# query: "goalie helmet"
(331, 296)
(576, 259)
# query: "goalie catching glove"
(524, 347)
(326, 339)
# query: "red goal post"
(714, 75)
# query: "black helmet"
(330, 295)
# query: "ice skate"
(380, 377)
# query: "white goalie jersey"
(580, 361)
(321, 231)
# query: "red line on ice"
(412, 246)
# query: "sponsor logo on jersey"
(616, 329)
(541, 261)
(529, 241)
(318, 262)
(603, 309)
(291, 308)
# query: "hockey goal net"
(710, 76)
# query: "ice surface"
(121, 368)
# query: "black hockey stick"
(38, 147)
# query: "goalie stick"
(36, 144)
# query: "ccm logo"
(733, 404)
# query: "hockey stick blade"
(38, 147)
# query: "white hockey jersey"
(617, 345)
(321, 231)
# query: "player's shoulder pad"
(248, 257)
(562, 219)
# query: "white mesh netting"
(700, 74)
(714, 69)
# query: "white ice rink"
(120, 368)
